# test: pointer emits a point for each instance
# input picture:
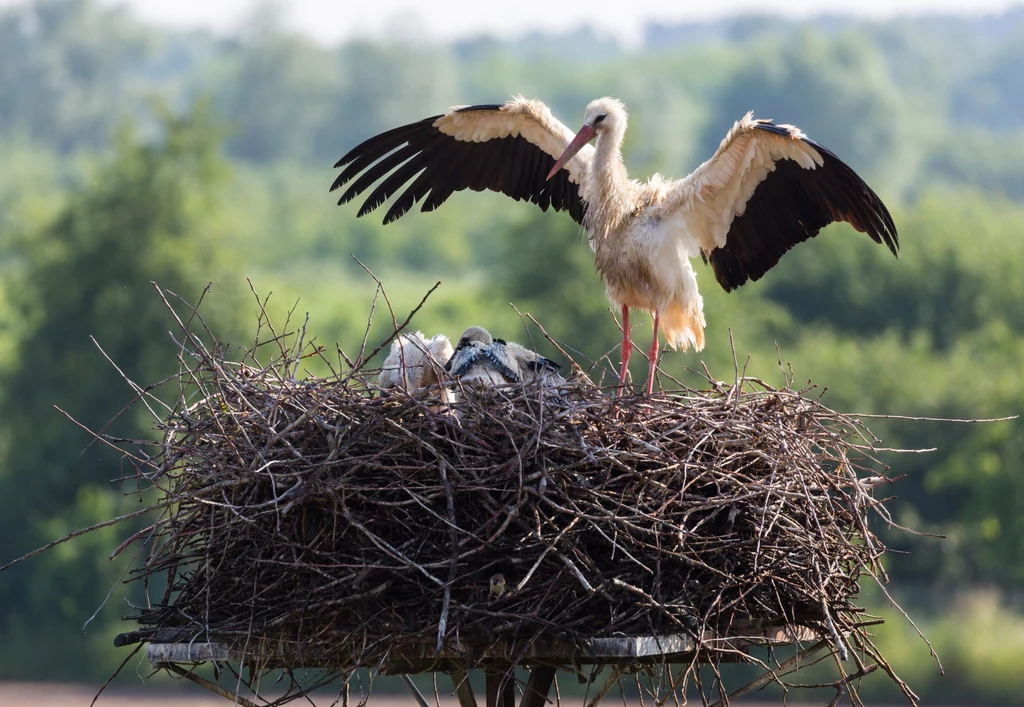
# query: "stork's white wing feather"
(524, 117)
(710, 198)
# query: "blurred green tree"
(64, 68)
(277, 90)
(838, 90)
(385, 85)
(993, 95)
(139, 219)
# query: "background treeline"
(131, 153)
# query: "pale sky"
(332, 20)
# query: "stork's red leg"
(652, 357)
(627, 345)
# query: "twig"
(83, 531)
(211, 686)
(767, 677)
(362, 361)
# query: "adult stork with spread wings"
(766, 188)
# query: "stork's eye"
(599, 118)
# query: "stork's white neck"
(608, 189)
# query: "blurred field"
(35, 694)
(22, 694)
(30, 694)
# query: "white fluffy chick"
(415, 362)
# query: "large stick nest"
(339, 525)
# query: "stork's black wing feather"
(438, 165)
(793, 204)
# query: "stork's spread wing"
(505, 148)
(768, 188)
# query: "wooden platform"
(498, 660)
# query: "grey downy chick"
(493, 362)
(479, 359)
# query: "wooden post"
(417, 695)
(538, 686)
(492, 680)
(463, 688)
(501, 686)
(509, 689)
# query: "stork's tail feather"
(684, 327)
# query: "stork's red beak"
(585, 135)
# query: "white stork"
(766, 188)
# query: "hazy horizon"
(330, 22)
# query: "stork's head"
(603, 116)
(476, 337)
(473, 335)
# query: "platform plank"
(421, 657)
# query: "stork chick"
(415, 362)
(479, 358)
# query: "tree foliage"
(86, 284)
(65, 68)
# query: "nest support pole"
(500, 686)
(499, 681)
(460, 681)
(538, 686)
